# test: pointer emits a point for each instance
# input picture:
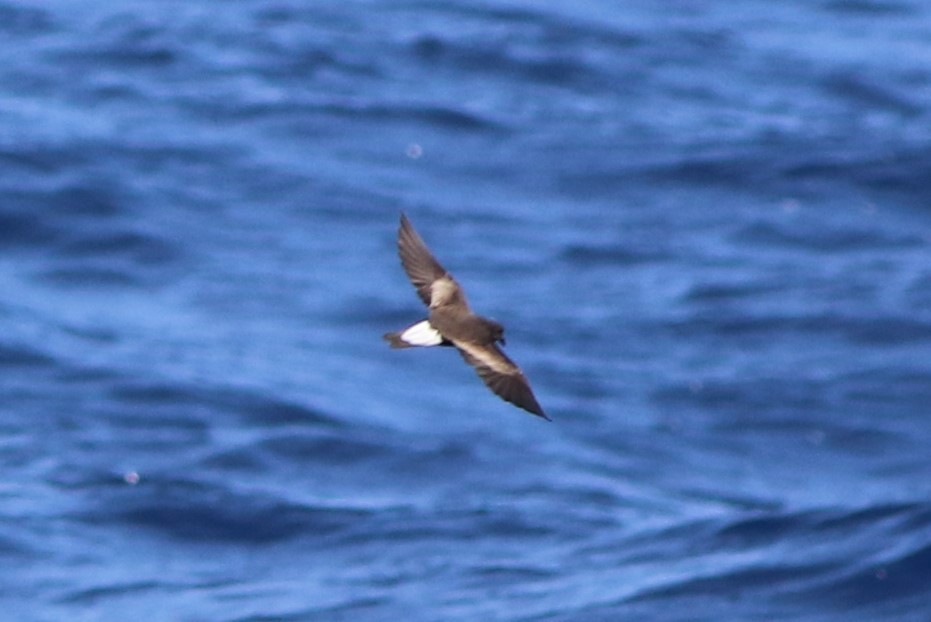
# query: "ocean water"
(705, 225)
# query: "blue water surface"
(704, 224)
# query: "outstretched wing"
(501, 375)
(421, 266)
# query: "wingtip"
(534, 408)
(405, 228)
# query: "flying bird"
(451, 322)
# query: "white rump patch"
(422, 334)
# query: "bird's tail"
(420, 334)
(395, 341)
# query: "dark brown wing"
(421, 266)
(501, 375)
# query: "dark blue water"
(706, 226)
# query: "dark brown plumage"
(452, 322)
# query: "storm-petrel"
(452, 323)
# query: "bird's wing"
(421, 266)
(500, 374)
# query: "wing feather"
(501, 375)
(421, 266)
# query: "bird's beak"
(503, 342)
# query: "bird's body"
(451, 322)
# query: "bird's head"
(497, 332)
